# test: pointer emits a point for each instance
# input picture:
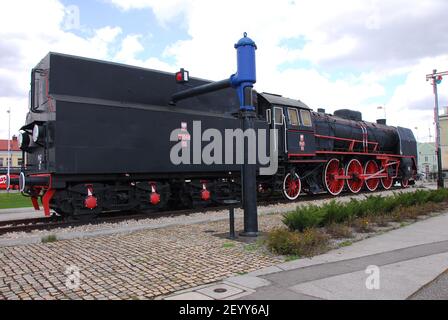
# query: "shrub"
(439, 195)
(390, 203)
(312, 216)
(302, 218)
(307, 243)
(372, 205)
(334, 212)
(353, 209)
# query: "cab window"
(268, 116)
(278, 115)
(293, 116)
(306, 118)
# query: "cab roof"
(279, 100)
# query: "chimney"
(321, 110)
(14, 138)
(381, 121)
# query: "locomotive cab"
(293, 122)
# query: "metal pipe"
(203, 89)
(249, 177)
(440, 182)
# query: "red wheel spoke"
(371, 168)
(334, 186)
(292, 186)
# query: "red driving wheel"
(331, 182)
(292, 186)
(388, 181)
(371, 167)
(354, 171)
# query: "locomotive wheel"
(387, 182)
(292, 186)
(404, 183)
(333, 168)
(354, 170)
(371, 167)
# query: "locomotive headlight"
(23, 140)
(37, 133)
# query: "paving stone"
(146, 263)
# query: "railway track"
(54, 222)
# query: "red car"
(3, 182)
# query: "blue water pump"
(243, 81)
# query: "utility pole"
(436, 79)
(8, 161)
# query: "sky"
(356, 54)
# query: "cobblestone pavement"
(143, 264)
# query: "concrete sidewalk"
(408, 260)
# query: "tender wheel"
(292, 186)
(332, 169)
(354, 170)
(404, 183)
(371, 167)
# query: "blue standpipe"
(242, 81)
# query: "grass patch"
(50, 238)
(307, 243)
(345, 244)
(362, 225)
(228, 245)
(339, 231)
(14, 200)
(291, 258)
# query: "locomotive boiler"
(97, 139)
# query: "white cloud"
(164, 10)
(28, 31)
(370, 41)
(349, 50)
(130, 47)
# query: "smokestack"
(321, 110)
(381, 121)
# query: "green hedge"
(312, 216)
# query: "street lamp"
(436, 79)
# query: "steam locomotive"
(97, 139)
